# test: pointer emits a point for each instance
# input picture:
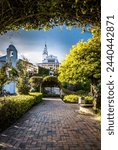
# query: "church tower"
(12, 55)
(45, 52)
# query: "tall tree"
(38, 14)
(83, 63)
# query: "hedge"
(71, 98)
(13, 107)
(89, 99)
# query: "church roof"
(3, 58)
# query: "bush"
(71, 98)
(37, 96)
(36, 82)
(89, 100)
(15, 106)
(22, 86)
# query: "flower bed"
(13, 107)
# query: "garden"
(78, 75)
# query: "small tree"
(3, 76)
(22, 82)
(13, 74)
(22, 86)
(36, 82)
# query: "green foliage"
(50, 81)
(15, 106)
(82, 86)
(82, 92)
(35, 14)
(3, 76)
(83, 63)
(13, 73)
(37, 96)
(22, 82)
(89, 99)
(23, 86)
(36, 82)
(22, 66)
(71, 98)
(43, 71)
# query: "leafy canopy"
(38, 14)
(36, 82)
(50, 81)
(83, 62)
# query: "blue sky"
(31, 43)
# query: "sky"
(31, 43)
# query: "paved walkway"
(52, 125)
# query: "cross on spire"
(45, 52)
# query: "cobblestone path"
(52, 125)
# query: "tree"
(36, 82)
(13, 74)
(7, 74)
(3, 76)
(22, 66)
(83, 63)
(22, 81)
(43, 71)
(35, 14)
(23, 86)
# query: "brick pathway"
(52, 125)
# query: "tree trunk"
(40, 88)
(97, 96)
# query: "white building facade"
(49, 61)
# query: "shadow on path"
(52, 125)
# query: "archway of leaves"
(46, 14)
(50, 82)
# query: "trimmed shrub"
(89, 100)
(38, 97)
(14, 107)
(71, 98)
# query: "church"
(49, 61)
(11, 58)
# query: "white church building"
(11, 57)
(48, 61)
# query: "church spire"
(45, 52)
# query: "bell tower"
(12, 55)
